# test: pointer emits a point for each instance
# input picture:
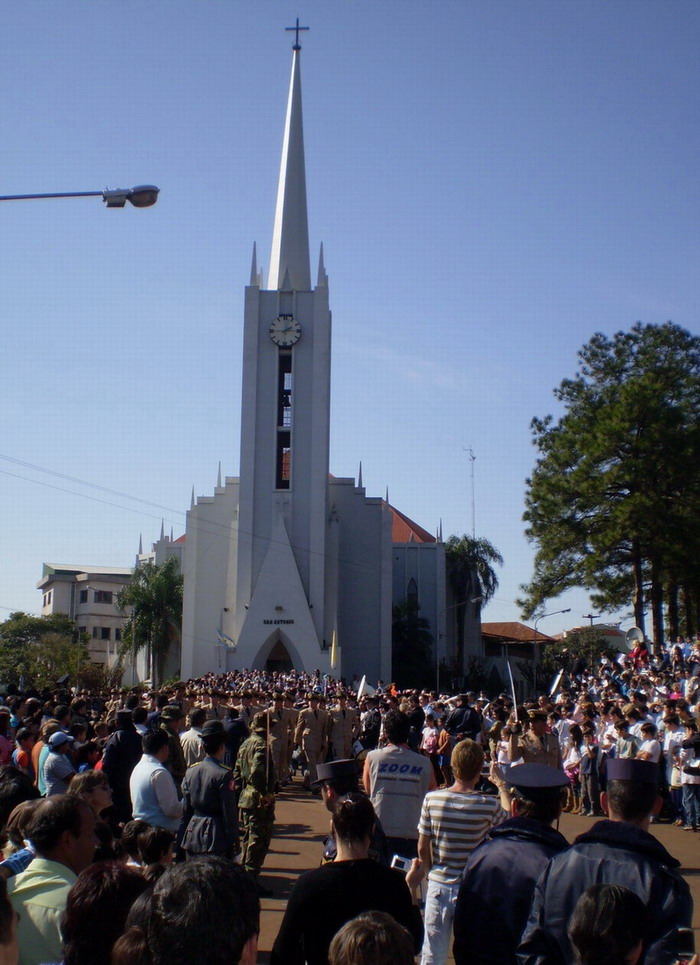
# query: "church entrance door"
(279, 659)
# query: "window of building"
(103, 596)
(284, 459)
(83, 596)
(412, 591)
(95, 631)
(284, 389)
(105, 633)
(82, 630)
(117, 633)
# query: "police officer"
(618, 851)
(256, 773)
(501, 873)
(537, 745)
(209, 796)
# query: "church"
(287, 566)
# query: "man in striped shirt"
(452, 823)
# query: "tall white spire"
(290, 237)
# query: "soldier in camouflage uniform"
(255, 771)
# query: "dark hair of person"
(354, 818)
(631, 800)
(190, 902)
(7, 914)
(130, 837)
(154, 741)
(84, 751)
(132, 702)
(396, 727)
(198, 716)
(139, 715)
(373, 938)
(16, 828)
(96, 911)
(154, 844)
(607, 924)
(152, 872)
(53, 817)
(107, 848)
(547, 810)
(575, 735)
(61, 711)
(213, 743)
(15, 787)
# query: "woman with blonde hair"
(452, 823)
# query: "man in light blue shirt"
(62, 831)
(153, 791)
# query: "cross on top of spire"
(296, 29)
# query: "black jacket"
(617, 853)
(122, 753)
(496, 893)
(463, 722)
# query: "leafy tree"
(613, 502)
(411, 645)
(153, 604)
(52, 656)
(470, 573)
(20, 633)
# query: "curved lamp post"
(142, 196)
(552, 613)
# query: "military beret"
(335, 770)
(536, 782)
(630, 769)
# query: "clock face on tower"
(285, 331)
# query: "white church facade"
(286, 565)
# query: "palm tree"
(154, 602)
(472, 578)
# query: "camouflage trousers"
(256, 833)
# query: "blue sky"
(492, 182)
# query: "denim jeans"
(439, 914)
(691, 804)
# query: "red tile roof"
(404, 530)
(515, 632)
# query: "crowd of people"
(137, 823)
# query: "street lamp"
(142, 196)
(552, 613)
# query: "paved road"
(302, 824)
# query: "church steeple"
(290, 237)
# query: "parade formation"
(458, 841)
